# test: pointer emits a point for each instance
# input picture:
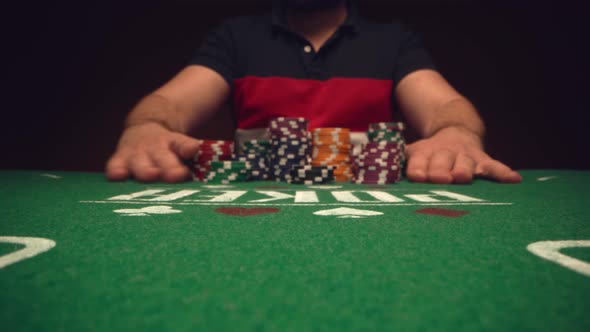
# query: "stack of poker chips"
(255, 153)
(210, 151)
(226, 172)
(332, 147)
(386, 131)
(381, 159)
(309, 174)
(290, 145)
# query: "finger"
(417, 166)
(117, 168)
(495, 170)
(463, 169)
(440, 165)
(185, 147)
(143, 168)
(171, 168)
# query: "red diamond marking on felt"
(442, 212)
(244, 212)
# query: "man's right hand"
(151, 152)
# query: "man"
(317, 59)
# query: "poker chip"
(309, 174)
(392, 126)
(226, 172)
(210, 151)
(331, 147)
(386, 132)
(255, 152)
(380, 161)
(290, 146)
(295, 155)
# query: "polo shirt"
(273, 71)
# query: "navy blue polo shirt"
(273, 71)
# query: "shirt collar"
(279, 16)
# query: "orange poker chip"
(342, 178)
(342, 170)
(323, 155)
(333, 138)
(343, 148)
(331, 134)
(331, 147)
(327, 161)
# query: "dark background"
(74, 69)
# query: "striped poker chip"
(331, 147)
(311, 168)
(290, 145)
(210, 151)
(380, 160)
(383, 144)
(233, 171)
(247, 156)
(311, 174)
(317, 171)
(379, 168)
(379, 176)
(400, 126)
(391, 179)
(255, 144)
(359, 163)
(335, 161)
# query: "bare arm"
(154, 142)
(430, 104)
(452, 149)
(184, 102)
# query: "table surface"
(80, 253)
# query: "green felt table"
(78, 253)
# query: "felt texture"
(291, 270)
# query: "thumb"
(184, 146)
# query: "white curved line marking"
(33, 247)
(549, 250)
(324, 187)
(546, 178)
(218, 186)
(52, 176)
(344, 212)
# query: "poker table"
(80, 253)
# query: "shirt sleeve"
(411, 56)
(217, 52)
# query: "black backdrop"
(74, 69)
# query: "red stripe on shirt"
(338, 102)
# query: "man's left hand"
(454, 155)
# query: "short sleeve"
(217, 52)
(411, 56)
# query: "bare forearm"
(156, 109)
(457, 113)
(185, 102)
